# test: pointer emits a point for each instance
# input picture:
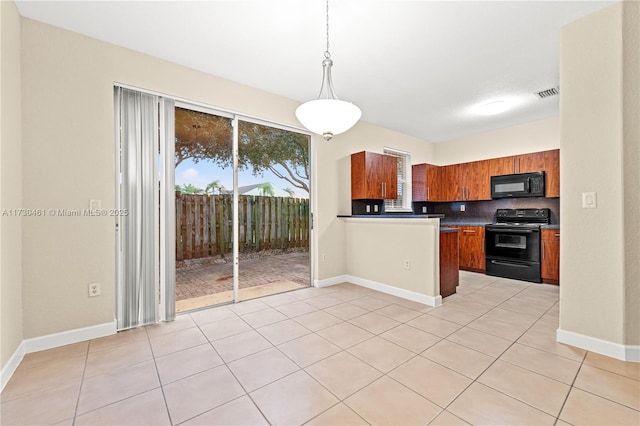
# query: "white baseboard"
(51, 341)
(67, 337)
(339, 279)
(11, 365)
(383, 288)
(603, 347)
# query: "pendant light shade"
(328, 115)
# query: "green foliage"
(213, 186)
(190, 189)
(266, 189)
(208, 137)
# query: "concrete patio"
(203, 282)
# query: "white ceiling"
(418, 67)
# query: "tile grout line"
(497, 358)
(84, 370)
(246, 393)
(566, 398)
(155, 364)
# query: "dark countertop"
(443, 222)
(550, 226)
(447, 230)
(392, 216)
(464, 223)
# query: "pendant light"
(328, 115)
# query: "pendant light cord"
(326, 53)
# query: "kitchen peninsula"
(395, 254)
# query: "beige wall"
(593, 144)
(10, 183)
(377, 250)
(67, 145)
(68, 160)
(536, 136)
(631, 155)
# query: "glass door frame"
(235, 118)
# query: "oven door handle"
(512, 231)
(497, 262)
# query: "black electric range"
(512, 244)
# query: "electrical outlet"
(589, 200)
(94, 289)
(375, 208)
(324, 257)
(463, 208)
(407, 264)
(424, 209)
(368, 208)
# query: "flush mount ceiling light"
(495, 107)
(328, 115)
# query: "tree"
(266, 189)
(201, 136)
(210, 189)
(187, 188)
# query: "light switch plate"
(589, 200)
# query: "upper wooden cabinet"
(517, 164)
(547, 161)
(449, 184)
(457, 182)
(374, 176)
(552, 178)
(425, 182)
(474, 180)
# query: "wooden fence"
(204, 225)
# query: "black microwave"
(518, 185)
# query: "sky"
(203, 173)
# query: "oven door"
(513, 243)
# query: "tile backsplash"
(486, 210)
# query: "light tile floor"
(342, 355)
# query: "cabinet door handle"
(483, 245)
(513, 164)
(518, 165)
(558, 235)
(428, 193)
(468, 231)
(542, 247)
(382, 189)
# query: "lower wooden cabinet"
(449, 263)
(472, 256)
(551, 256)
(471, 248)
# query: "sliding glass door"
(242, 222)
(204, 208)
(273, 209)
(219, 208)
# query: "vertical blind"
(139, 254)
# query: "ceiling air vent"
(554, 91)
